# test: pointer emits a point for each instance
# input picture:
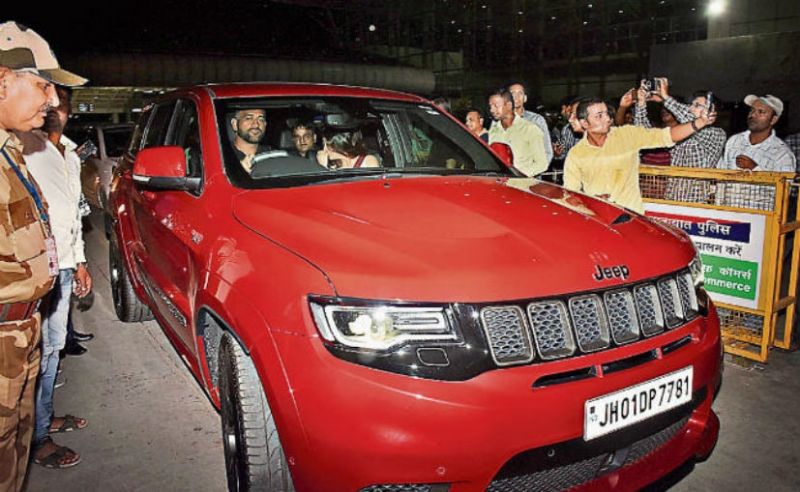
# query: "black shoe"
(74, 349)
(82, 337)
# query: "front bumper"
(352, 427)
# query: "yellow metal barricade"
(740, 223)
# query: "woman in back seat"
(346, 150)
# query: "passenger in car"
(304, 139)
(346, 150)
(249, 127)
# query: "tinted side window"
(187, 135)
(156, 132)
(138, 132)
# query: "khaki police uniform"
(24, 280)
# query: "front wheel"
(126, 304)
(254, 458)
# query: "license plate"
(614, 411)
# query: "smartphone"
(86, 150)
(652, 84)
(710, 101)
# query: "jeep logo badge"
(607, 273)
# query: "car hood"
(461, 239)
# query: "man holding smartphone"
(605, 163)
(702, 149)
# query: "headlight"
(696, 269)
(381, 327)
(425, 340)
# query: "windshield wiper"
(493, 174)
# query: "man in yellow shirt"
(605, 163)
(525, 139)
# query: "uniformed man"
(28, 261)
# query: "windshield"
(278, 142)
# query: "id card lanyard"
(37, 199)
(49, 240)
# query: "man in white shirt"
(52, 160)
(756, 149)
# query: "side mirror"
(163, 168)
(503, 151)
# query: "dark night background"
(279, 29)
(559, 47)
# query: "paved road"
(152, 428)
(150, 425)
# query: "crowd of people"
(42, 260)
(601, 147)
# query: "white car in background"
(111, 141)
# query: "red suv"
(426, 321)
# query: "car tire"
(254, 457)
(107, 224)
(126, 304)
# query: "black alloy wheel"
(254, 457)
(126, 303)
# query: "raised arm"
(686, 130)
(624, 104)
(679, 110)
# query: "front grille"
(589, 320)
(548, 320)
(670, 301)
(587, 323)
(404, 487)
(508, 336)
(649, 309)
(622, 316)
(580, 472)
(553, 479)
(651, 444)
(688, 295)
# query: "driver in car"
(249, 127)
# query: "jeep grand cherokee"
(436, 323)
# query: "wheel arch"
(211, 327)
(222, 310)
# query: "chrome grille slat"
(551, 331)
(622, 319)
(651, 318)
(508, 335)
(589, 322)
(688, 295)
(670, 301)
